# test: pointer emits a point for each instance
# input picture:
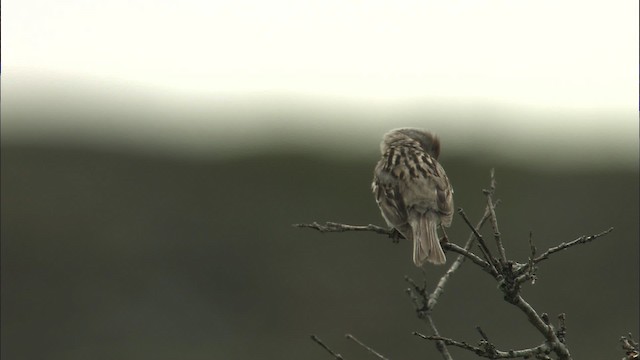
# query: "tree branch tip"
(420, 335)
(482, 333)
(324, 346)
(369, 349)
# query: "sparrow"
(413, 192)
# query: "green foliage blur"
(109, 255)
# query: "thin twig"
(481, 243)
(471, 256)
(508, 273)
(377, 354)
(494, 219)
(319, 342)
(414, 291)
(433, 299)
(562, 327)
(495, 354)
(424, 312)
(581, 240)
(447, 341)
(532, 269)
(429, 301)
(440, 345)
(337, 227)
(483, 335)
(488, 346)
(543, 326)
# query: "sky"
(533, 62)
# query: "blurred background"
(155, 154)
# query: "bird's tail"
(426, 244)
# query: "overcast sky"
(560, 57)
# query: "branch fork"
(509, 274)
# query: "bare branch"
(483, 335)
(337, 227)
(561, 333)
(510, 276)
(424, 312)
(319, 342)
(440, 345)
(447, 341)
(488, 346)
(483, 246)
(377, 354)
(419, 297)
(488, 353)
(531, 270)
(428, 302)
(471, 256)
(494, 219)
(433, 299)
(544, 327)
(581, 240)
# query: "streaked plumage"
(412, 190)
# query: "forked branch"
(509, 274)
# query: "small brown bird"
(413, 191)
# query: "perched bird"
(413, 191)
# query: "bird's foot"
(395, 236)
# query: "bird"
(413, 191)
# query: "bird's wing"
(444, 193)
(387, 193)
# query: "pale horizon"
(200, 77)
(77, 113)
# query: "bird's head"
(410, 136)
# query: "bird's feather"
(413, 192)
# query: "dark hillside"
(116, 256)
